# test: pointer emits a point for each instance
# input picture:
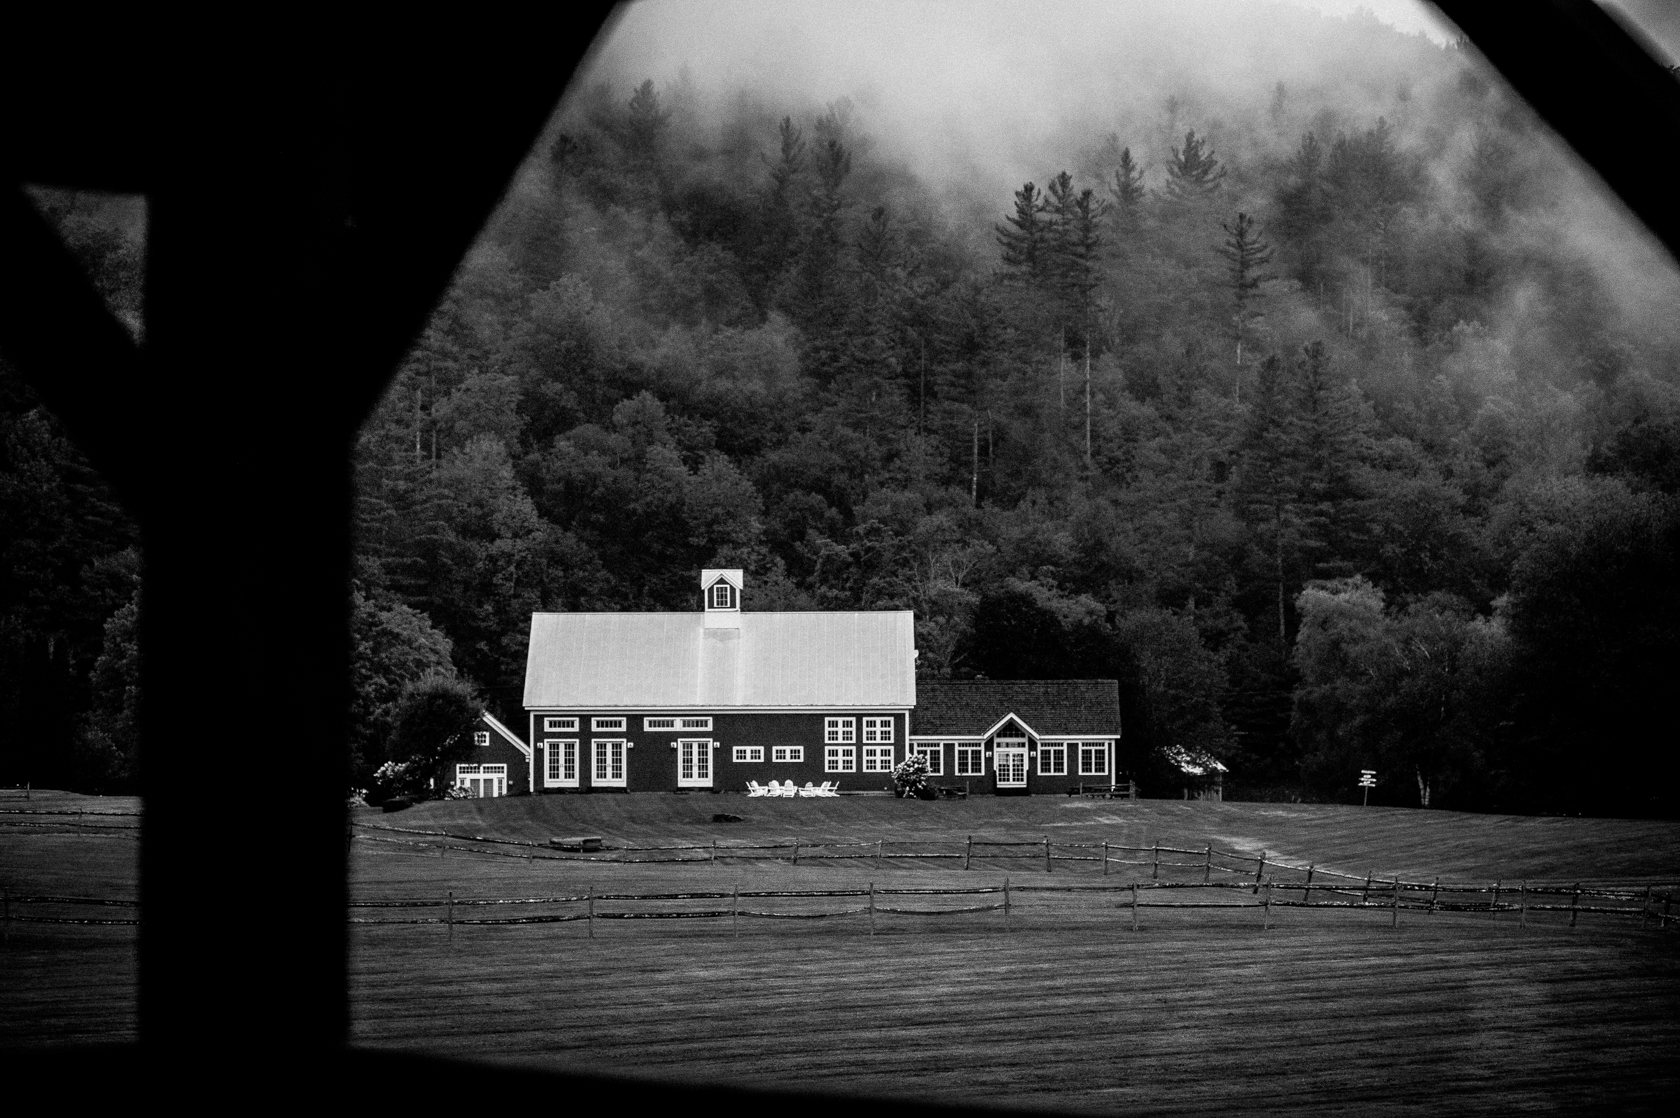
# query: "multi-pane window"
(609, 761)
(481, 738)
(606, 723)
(971, 760)
(694, 763)
(840, 759)
(839, 730)
(659, 724)
(696, 723)
(877, 758)
(877, 729)
(787, 753)
(560, 763)
(1052, 758)
(559, 725)
(749, 753)
(935, 755)
(1093, 760)
(720, 595)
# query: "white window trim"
(1010, 745)
(1060, 747)
(840, 759)
(623, 779)
(795, 754)
(839, 731)
(654, 725)
(876, 763)
(481, 739)
(609, 725)
(559, 725)
(743, 754)
(694, 723)
(498, 772)
(882, 728)
(1101, 749)
(557, 745)
(976, 751)
(935, 754)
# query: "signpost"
(1367, 781)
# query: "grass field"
(1063, 1006)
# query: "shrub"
(910, 777)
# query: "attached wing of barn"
(971, 708)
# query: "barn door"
(694, 763)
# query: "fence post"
(1522, 904)
(1493, 905)
(1434, 895)
(1365, 894)
(1261, 869)
(880, 855)
(1266, 920)
(1207, 865)
(1575, 905)
(735, 910)
(1155, 871)
(449, 914)
(1306, 892)
(1006, 900)
(592, 912)
(1134, 906)
(1396, 922)
(871, 908)
(1047, 867)
(1105, 857)
(968, 851)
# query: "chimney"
(720, 592)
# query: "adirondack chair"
(776, 788)
(829, 788)
(754, 788)
(809, 789)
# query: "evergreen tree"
(1246, 254)
(1025, 237)
(1193, 174)
(1128, 191)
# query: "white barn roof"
(601, 661)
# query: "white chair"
(756, 789)
(829, 788)
(788, 790)
(809, 789)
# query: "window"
(971, 760)
(787, 753)
(720, 595)
(1093, 759)
(840, 730)
(606, 724)
(877, 729)
(935, 755)
(560, 763)
(481, 738)
(482, 781)
(609, 761)
(749, 753)
(877, 758)
(657, 724)
(696, 723)
(1052, 758)
(559, 725)
(840, 759)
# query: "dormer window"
(720, 592)
(720, 595)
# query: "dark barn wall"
(500, 751)
(651, 761)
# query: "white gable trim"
(490, 719)
(1022, 722)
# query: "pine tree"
(1025, 237)
(1127, 189)
(1193, 174)
(1246, 253)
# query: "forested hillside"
(1330, 408)
(1319, 429)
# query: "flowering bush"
(397, 778)
(910, 777)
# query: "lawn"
(1062, 1005)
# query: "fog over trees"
(1281, 367)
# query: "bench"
(577, 842)
(950, 792)
(1126, 791)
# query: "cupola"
(721, 595)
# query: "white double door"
(1009, 760)
(694, 763)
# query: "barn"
(1018, 736)
(713, 699)
(719, 698)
